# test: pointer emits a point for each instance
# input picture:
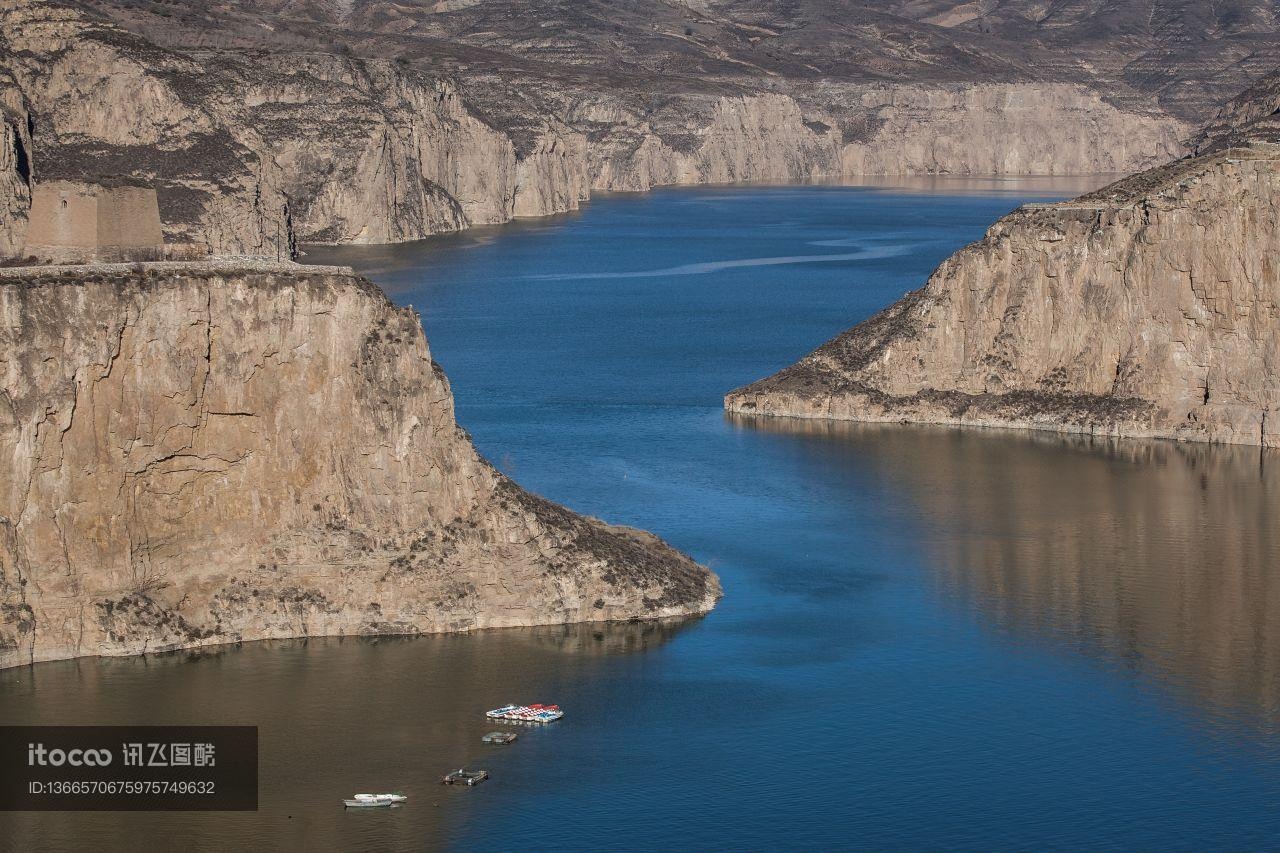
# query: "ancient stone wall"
(73, 222)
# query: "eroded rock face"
(15, 167)
(206, 454)
(1015, 129)
(1148, 308)
(253, 150)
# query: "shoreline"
(904, 181)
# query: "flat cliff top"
(222, 267)
(243, 449)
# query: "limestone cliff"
(1148, 308)
(1012, 129)
(206, 454)
(251, 150)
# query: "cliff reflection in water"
(1161, 556)
(334, 716)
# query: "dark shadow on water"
(1157, 556)
(335, 716)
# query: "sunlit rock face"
(206, 454)
(382, 124)
(1146, 308)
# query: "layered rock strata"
(1148, 308)
(251, 151)
(207, 454)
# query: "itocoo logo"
(38, 755)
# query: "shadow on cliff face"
(1156, 556)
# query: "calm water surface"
(929, 638)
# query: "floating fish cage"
(499, 737)
(465, 777)
(526, 713)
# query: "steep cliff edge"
(207, 454)
(259, 132)
(1148, 308)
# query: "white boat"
(368, 802)
(373, 801)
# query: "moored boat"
(373, 801)
(537, 713)
(368, 801)
(499, 713)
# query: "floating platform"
(526, 713)
(465, 777)
(499, 737)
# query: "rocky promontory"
(1150, 307)
(207, 453)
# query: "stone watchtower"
(74, 222)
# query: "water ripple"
(716, 266)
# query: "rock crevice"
(215, 453)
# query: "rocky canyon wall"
(1148, 308)
(252, 152)
(1012, 129)
(207, 454)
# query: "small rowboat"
(396, 797)
(374, 801)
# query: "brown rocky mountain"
(209, 453)
(178, 476)
(262, 123)
(1150, 307)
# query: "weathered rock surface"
(265, 124)
(1016, 129)
(1148, 308)
(206, 454)
(15, 167)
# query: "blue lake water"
(930, 638)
